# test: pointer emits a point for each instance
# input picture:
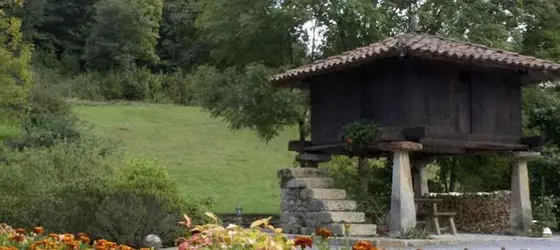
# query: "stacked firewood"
(477, 212)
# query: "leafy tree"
(244, 31)
(15, 75)
(542, 21)
(57, 26)
(124, 34)
(245, 99)
(179, 45)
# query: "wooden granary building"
(431, 96)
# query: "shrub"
(142, 199)
(49, 119)
(38, 184)
(88, 186)
(377, 176)
(545, 209)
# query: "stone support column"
(403, 211)
(420, 177)
(520, 215)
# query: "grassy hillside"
(206, 158)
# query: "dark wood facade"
(450, 100)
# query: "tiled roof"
(423, 46)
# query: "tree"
(15, 75)
(58, 26)
(179, 44)
(241, 32)
(124, 34)
(542, 38)
(244, 99)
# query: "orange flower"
(303, 241)
(37, 244)
(145, 248)
(124, 247)
(323, 232)
(82, 234)
(8, 248)
(72, 244)
(20, 231)
(67, 238)
(363, 245)
(84, 239)
(38, 230)
(17, 238)
(54, 236)
(100, 247)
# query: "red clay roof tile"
(423, 46)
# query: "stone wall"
(308, 201)
(477, 212)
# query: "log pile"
(477, 212)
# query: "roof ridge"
(418, 45)
(482, 46)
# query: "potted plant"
(383, 224)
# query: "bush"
(142, 199)
(88, 186)
(545, 210)
(58, 187)
(49, 120)
(344, 171)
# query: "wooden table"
(431, 218)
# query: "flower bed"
(260, 235)
(35, 239)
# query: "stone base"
(310, 202)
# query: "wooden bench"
(431, 218)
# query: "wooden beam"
(533, 141)
(295, 146)
(482, 145)
(400, 145)
(308, 157)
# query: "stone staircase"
(309, 202)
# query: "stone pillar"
(420, 178)
(403, 211)
(520, 215)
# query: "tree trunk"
(453, 177)
(363, 175)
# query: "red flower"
(348, 140)
(303, 241)
(38, 230)
(17, 238)
(20, 231)
(323, 232)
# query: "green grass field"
(206, 158)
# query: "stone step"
(342, 217)
(323, 194)
(290, 173)
(331, 205)
(355, 229)
(307, 183)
